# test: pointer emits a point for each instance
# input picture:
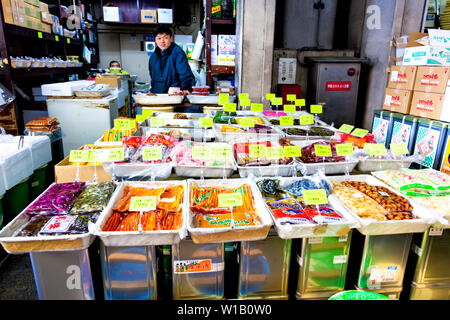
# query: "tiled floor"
(16, 278)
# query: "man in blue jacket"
(168, 65)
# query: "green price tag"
(375, 149)
(257, 151)
(291, 97)
(146, 112)
(123, 124)
(270, 96)
(40, 35)
(344, 149)
(200, 153)
(140, 118)
(223, 98)
(299, 102)
(56, 38)
(222, 153)
(205, 122)
(316, 108)
(360, 133)
(286, 121)
(79, 156)
(230, 107)
(322, 150)
(151, 153)
(313, 197)
(292, 151)
(243, 96)
(115, 154)
(245, 103)
(247, 122)
(399, 148)
(68, 40)
(306, 119)
(257, 107)
(346, 128)
(289, 108)
(275, 153)
(277, 101)
(157, 122)
(96, 155)
(146, 203)
(227, 200)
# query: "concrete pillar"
(255, 31)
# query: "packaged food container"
(445, 153)
(196, 134)
(404, 130)
(308, 132)
(179, 115)
(157, 99)
(429, 142)
(223, 133)
(382, 126)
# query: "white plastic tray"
(302, 138)
(159, 98)
(372, 227)
(232, 137)
(102, 143)
(267, 171)
(226, 234)
(160, 171)
(210, 99)
(292, 231)
(208, 172)
(140, 238)
(370, 165)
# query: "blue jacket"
(170, 68)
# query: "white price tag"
(340, 259)
(435, 232)
(394, 76)
(343, 238)
(315, 240)
(390, 273)
(388, 100)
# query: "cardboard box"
(111, 14)
(426, 55)
(413, 37)
(226, 45)
(165, 16)
(429, 105)
(46, 28)
(214, 49)
(32, 11)
(402, 77)
(66, 172)
(46, 18)
(111, 81)
(432, 79)
(35, 3)
(43, 6)
(149, 16)
(397, 100)
(226, 60)
(13, 12)
(439, 37)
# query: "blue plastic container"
(429, 142)
(382, 126)
(404, 130)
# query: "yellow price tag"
(291, 97)
(289, 108)
(322, 150)
(399, 148)
(360, 133)
(306, 119)
(314, 197)
(140, 118)
(375, 149)
(247, 122)
(286, 121)
(157, 122)
(257, 151)
(151, 153)
(299, 102)
(346, 128)
(56, 38)
(230, 107)
(245, 103)
(145, 203)
(222, 153)
(40, 35)
(344, 149)
(200, 153)
(277, 101)
(316, 108)
(223, 98)
(270, 96)
(257, 107)
(227, 200)
(123, 124)
(275, 153)
(292, 151)
(243, 96)
(79, 156)
(115, 154)
(148, 113)
(68, 40)
(205, 122)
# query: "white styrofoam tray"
(226, 234)
(232, 137)
(132, 170)
(141, 238)
(160, 98)
(210, 99)
(100, 142)
(292, 231)
(16, 164)
(373, 227)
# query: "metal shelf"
(37, 72)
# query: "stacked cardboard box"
(399, 90)
(25, 13)
(46, 18)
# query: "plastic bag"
(93, 199)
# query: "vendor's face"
(163, 41)
(115, 65)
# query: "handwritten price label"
(205, 122)
(243, 96)
(257, 151)
(286, 121)
(227, 200)
(344, 149)
(346, 128)
(223, 98)
(222, 153)
(245, 102)
(257, 107)
(375, 149)
(270, 96)
(292, 151)
(247, 123)
(277, 101)
(289, 108)
(146, 203)
(199, 153)
(79, 156)
(148, 113)
(306, 119)
(299, 102)
(322, 150)
(316, 108)
(274, 153)
(151, 153)
(157, 122)
(360, 133)
(115, 154)
(291, 97)
(140, 118)
(230, 107)
(399, 148)
(124, 124)
(314, 197)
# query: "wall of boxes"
(31, 14)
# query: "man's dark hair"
(163, 29)
(114, 61)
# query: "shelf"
(222, 69)
(129, 23)
(37, 72)
(223, 20)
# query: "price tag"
(79, 156)
(247, 122)
(223, 98)
(306, 119)
(245, 103)
(68, 40)
(123, 124)
(291, 97)
(40, 35)
(313, 197)
(56, 38)
(322, 150)
(256, 107)
(316, 108)
(344, 149)
(146, 203)
(257, 151)
(96, 155)
(435, 232)
(146, 112)
(277, 101)
(360, 133)
(274, 153)
(157, 122)
(399, 148)
(289, 108)
(115, 154)
(151, 153)
(200, 153)
(230, 107)
(140, 118)
(205, 122)
(227, 200)
(300, 102)
(375, 149)
(222, 153)
(346, 128)
(286, 121)
(292, 151)
(243, 96)
(270, 96)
